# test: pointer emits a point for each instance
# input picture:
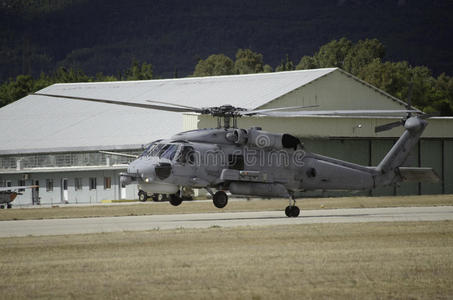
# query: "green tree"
(394, 78)
(361, 54)
(139, 72)
(267, 68)
(285, 65)
(69, 75)
(216, 64)
(16, 89)
(307, 62)
(441, 96)
(248, 61)
(333, 53)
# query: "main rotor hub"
(227, 112)
(224, 111)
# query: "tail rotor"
(401, 122)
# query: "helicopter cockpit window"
(145, 152)
(153, 149)
(187, 155)
(169, 151)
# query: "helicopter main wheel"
(142, 196)
(175, 200)
(220, 199)
(292, 211)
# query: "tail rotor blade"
(388, 126)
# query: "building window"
(93, 183)
(107, 183)
(21, 183)
(77, 184)
(49, 185)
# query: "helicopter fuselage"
(245, 162)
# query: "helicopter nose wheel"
(292, 210)
(220, 199)
(142, 196)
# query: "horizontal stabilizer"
(418, 174)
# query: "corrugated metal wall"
(448, 166)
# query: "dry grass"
(200, 207)
(411, 260)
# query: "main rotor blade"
(259, 111)
(334, 113)
(388, 126)
(133, 104)
(176, 105)
(119, 154)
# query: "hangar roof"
(42, 124)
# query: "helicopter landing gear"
(142, 196)
(220, 199)
(292, 210)
(155, 197)
(175, 199)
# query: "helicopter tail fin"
(398, 154)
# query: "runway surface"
(206, 220)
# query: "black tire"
(2, 206)
(175, 200)
(155, 197)
(142, 196)
(9, 205)
(295, 211)
(220, 199)
(288, 211)
(292, 211)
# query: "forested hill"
(105, 36)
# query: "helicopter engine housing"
(238, 136)
(269, 140)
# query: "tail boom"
(395, 158)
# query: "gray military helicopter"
(254, 162)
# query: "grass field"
(409, 260)
(149, 208)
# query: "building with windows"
(54, 142)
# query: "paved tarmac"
(206, 220)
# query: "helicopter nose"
(148, 172)
(143, 170)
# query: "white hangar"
(55, 142)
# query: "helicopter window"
(169, 151)
(289, 141)
(155, 149)
(187, 155)
(145, 152)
